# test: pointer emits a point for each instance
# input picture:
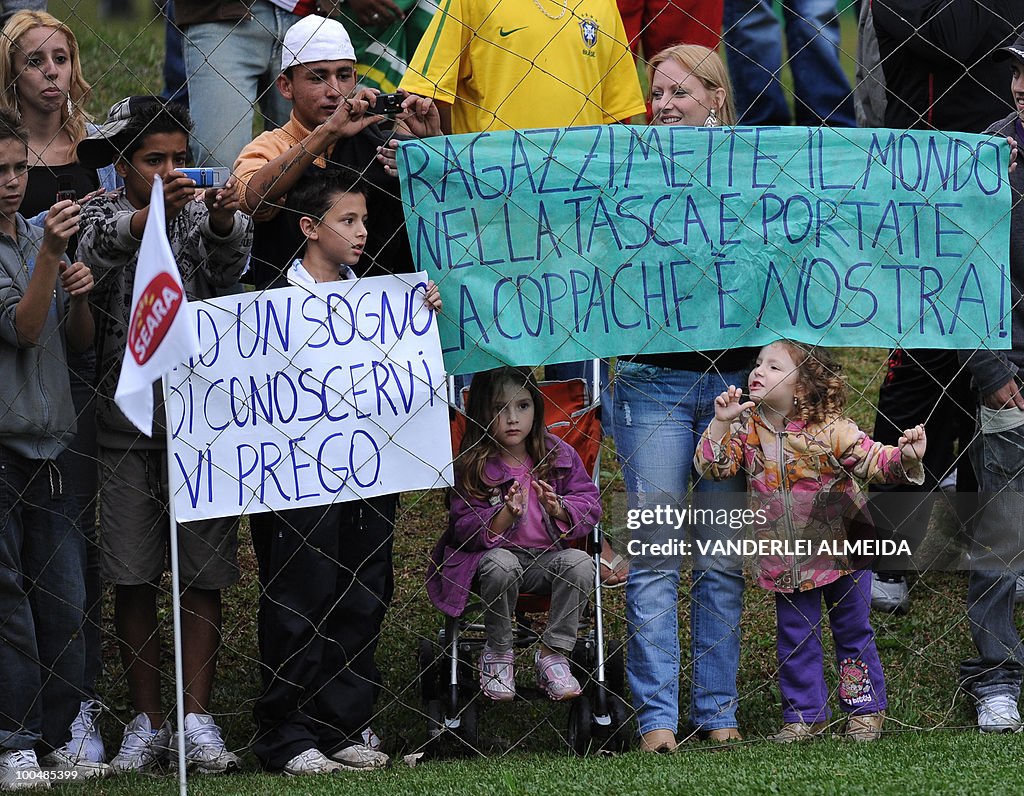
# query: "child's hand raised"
(913, 443)
(515, 500)
(550, 501)
(728, 405)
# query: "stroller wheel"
(468, 730)
(615, 667)
(579, 725)
(435, 719)
(429, 671)
(622, 725)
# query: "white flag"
(160, 335)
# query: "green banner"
(564, 244)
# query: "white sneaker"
(891, 596)
(361, 757)
(19, 770)
(62, 761)
(86, 742)
(1018, 595)
(998, 713)
(142, 747)
(205, 751)
(312, 761)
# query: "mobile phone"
(207, 177)
(66, 188)
(387, 104)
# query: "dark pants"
(326, 581)
(42, 558)
(801, 659)
(997, 559)
(82, 476)
(922, 386)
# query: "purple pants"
(801, 659)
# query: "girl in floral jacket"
(801, 458)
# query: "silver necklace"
(565, 7)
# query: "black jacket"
(990, 370)
(936, 56)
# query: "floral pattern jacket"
(805, 483)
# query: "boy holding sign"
(325, 572)
(210, 240)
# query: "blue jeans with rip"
(232, 66)
(997, 557)
(42, 594)
(753, 40)
(660, 414)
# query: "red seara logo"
(153, 316)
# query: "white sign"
(304, 396)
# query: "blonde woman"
(662, 404)
(41, 79)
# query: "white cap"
(315, 38)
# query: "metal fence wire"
(312, 627)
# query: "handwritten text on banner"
(558, 245)
(303, 397)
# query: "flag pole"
(179, 677)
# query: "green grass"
(525, 742)
(911, 764)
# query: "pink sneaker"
(555, 677)
(497, 678)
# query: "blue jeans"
(230, 67)
(42, 591)
(997, 559)
(659, 416)
(753, 41)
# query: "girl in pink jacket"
(803, 460)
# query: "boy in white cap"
(305, 726)
(331, 125)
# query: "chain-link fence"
(310, 636)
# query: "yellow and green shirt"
(503, 64)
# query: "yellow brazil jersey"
(505, 64)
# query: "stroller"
(447, 668)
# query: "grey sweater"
(992, 369)
(37, 419)
(205, 260)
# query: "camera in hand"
(207, 177)
(388, 104)
(66, 188)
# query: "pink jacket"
(454, 560)
(804, 479)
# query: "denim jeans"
(659, 416)
(998, 458)
(754, 45)
(42, 591)
(231, 66)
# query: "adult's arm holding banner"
(304, 397)
(564, 244)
